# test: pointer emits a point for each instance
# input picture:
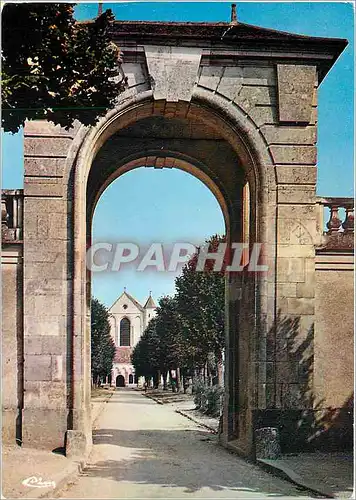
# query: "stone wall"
(286, 221)
(47, 285)
(12, 343)
(333, 387)
(264, 92)
(12, 315)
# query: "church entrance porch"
(120, 381)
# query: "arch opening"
(120, 381)
(219, 157)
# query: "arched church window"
(125, 332)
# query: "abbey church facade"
(128, 320)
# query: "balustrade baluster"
(335, 222)
(4, 213)
(348, 223)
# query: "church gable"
(126, 304)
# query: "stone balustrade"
(337, 232)
(12, 215)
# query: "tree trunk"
(173, 382)
(178, 379)
(210, 376)
(185, 382)
(220, 370)
(164, 380)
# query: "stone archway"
(257, 155)
(201, 155)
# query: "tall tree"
(188, 329)
(161, 347)
(146, 354)
(200, 297)
(55, 68)
(173, 353)
(102, 344)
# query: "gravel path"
(145, 450)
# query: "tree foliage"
(161, 346)
(102, 344)
(169, 331)
(55, 68)
(146, 354)
(200, 297)
(188, 330)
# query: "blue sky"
(147, 205)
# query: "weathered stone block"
(47, 146)
(289, 135)
(300, 212)
(210, 76)
(287, 289)
(45, 270)
(173, 71)
(262, 115)
(230, 83)
(41, 255)
(8, 424)
(301, 306)
(135, 73)
(314, 116)
(43, 325)
(43, 285)
(299, 155)
(44, 428)
(57, 368)
(295, 92)
(49, 344)
(306, 325)
(293, 396)
(44, 166)
(58, 226)
(75, 444)
(43, 205)
(291, 194)
(43, 186)
(287, 372)
(290, 270)
(38, 367)
(263, 75)
(11, 333)
(306, 290)
(295, 250)
(44, 305)
(45, 128)
(49, 394)
(295, 232)
(296, 174)
(249, 97)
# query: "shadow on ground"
(190, 459)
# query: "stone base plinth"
(77, 444)
(267, 443)
(11, 426)
(43, 428)
(309, 430)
